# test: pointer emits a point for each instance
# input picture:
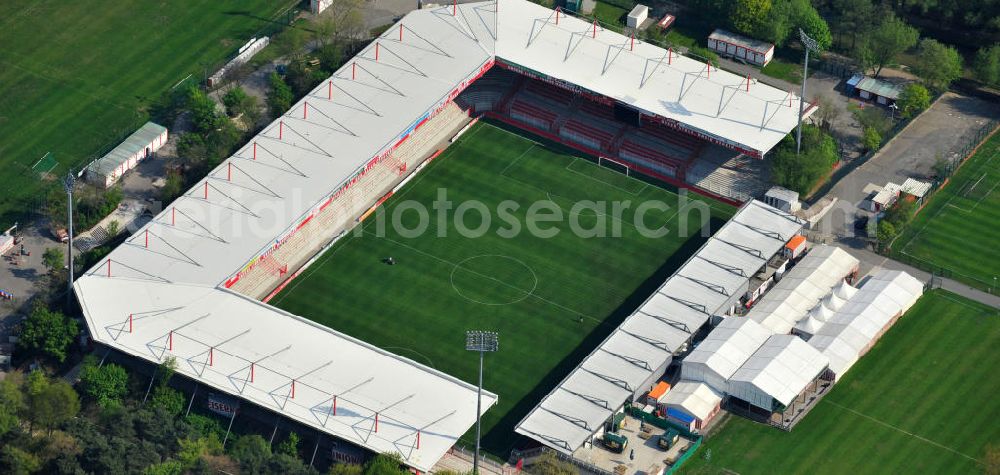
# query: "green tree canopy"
(937, 64)
(748, 16)
(987, 65)
(279, 97)
(103, 384)
(48, 333)
(204, 112)
(251, 452)
(871, 139)
(912, 100)
(801, 172)
(880, 47)
(11, 403)
(54, 259)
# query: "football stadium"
(277, 280)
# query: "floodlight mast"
(810, 44)
(482, 342)
(68, 183)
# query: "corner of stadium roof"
(715, 105)
(635, 354)
(164, 292)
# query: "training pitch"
(551, 299)
(956, 232)
(78, 77)
(922, 401)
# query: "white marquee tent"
(723, 351)
(777, 372)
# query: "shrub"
(871, 139)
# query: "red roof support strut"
(595, 28)
(329, 90)
(376, 423)
(281, 129)
(147, 239)
(670, 56)
(305, 110)
(333, 410)
(170, 341)
(173, 211)
(376, 51)
(557, 15)
(255, 150)
(400, 32)
(130, 323)
(454, 12)
(251, 370)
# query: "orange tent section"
(659, 390)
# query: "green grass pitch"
(77, 76)
(552, 300)
(924, 400)
(957, 230)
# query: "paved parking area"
(939, 132)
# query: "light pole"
(481, 341)
(893, 108)
(810, 44)
(68, 184)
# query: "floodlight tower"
(481, 341)
(68, 184)
(810, 44)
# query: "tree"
(347, 20)
(51, 403)
(801, 172)
(169, 399)
(886, 232)
(914, 99)
(549, 464)
(885, 43)
(113, 228)
(385, 464)
(204, 111)
(280, 97)
(856, 18)
(289, 446)
(345, 469)
(937, 64)
(233, 99)
(806, 17)
(987, 65)
(18, 461)
(748, 16)
(47, 332)
(103, 384)
(828, 112)
(778, 25)
(871, 139)
(11, 403)
(194, 448)
(54, 259)
(251, 452)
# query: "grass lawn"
(609, 16)
(551, 299)
(783, 70)
(76, 77)
(956, 232)
(922, 401)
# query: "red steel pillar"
(130, 323)
(251, 372)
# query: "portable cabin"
(740, 47)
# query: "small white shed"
(637, 16)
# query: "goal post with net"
(616, 165)
(45, 164)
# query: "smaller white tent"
(694, 398)
(833, 302)
(845, 291)
(808, 326)
(821, 313)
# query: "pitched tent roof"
(802, 287)
(781, 368)
(695, 398)
(723, 351)
(713, 278)
(880, 88)
(862, 319)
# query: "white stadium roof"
(646, 341)
(715, 104)
(802, 287)
(862, 319)
(780, 369)
(177, 283)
